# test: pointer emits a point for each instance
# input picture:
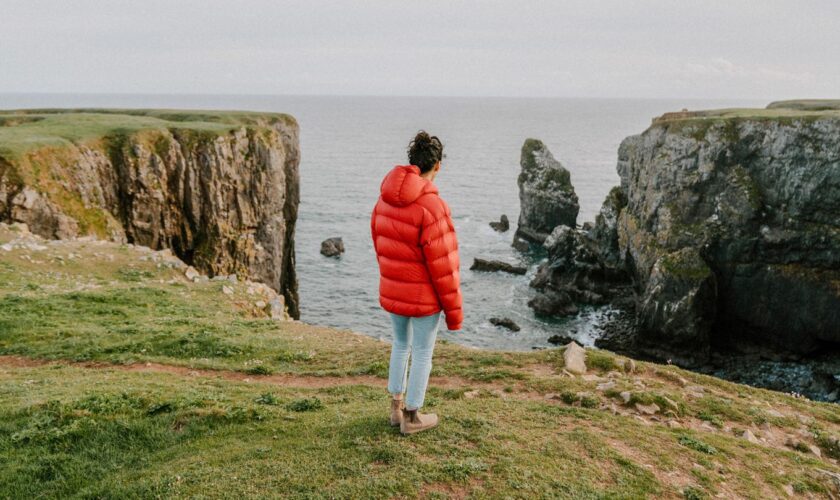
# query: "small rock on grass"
(625, 396)
(749, 436)
(191, 273)
(574, 358)
(606, 386)
(651, 409)
(227, 290)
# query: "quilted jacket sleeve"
(440, 249)
(373, 227)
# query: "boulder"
(506, 323)
(553, 303)
(546, 196)
(332, 247)
(496, 265)
(576, 273)
(558, 339)
(501, 226)
(574, 358)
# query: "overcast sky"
(767, 49)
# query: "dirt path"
(286, 380)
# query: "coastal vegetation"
(122, 377)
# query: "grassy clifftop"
(120, 377)
(23, 131)
(781, 110)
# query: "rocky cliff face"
(546, 195)
(220, 190)
(727, 225)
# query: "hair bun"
(422, 138)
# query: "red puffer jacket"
(416, 247)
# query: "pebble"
(227, 290)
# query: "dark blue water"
(349, 143)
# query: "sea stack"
(546, 196)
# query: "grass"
(22, 131)
(235, 404)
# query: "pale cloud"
(609, 48)
(722, 67)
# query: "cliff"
(218, 188)
(726, 224)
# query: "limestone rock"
(574, 357)
(502, 226)
(191, 274)
(223, 199)
(546, 196)
(496, 265)
(506, 323)
(678, 305)
(749, 436)
(553, 303)
(558, 339)
(576, 273)
(651, 409)
(332, 247)
(758, 200)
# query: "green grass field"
(119, 378)
(24, 131)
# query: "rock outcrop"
(546, 196)
(332, 247)
(502, 225)
(485, 265)
(220, 189)
(725, 226)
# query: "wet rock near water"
(505, 323)
(332, 247)
(496, 265)
(502, 226)
(560, 339)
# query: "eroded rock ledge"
(221, 189)
(725, 229)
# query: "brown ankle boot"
(397, 406)
(414, 421)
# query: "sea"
(348, 143)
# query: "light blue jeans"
(415, 336)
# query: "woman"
(417, 251)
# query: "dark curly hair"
(425, 151)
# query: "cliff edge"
(221, 189)
(726, 226)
